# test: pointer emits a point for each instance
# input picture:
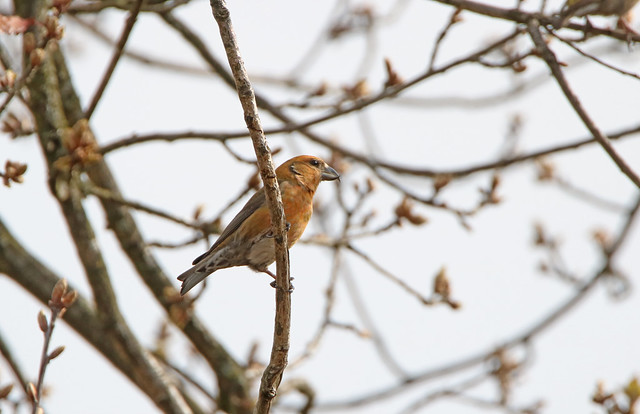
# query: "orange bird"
(248, 239)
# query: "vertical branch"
(61, 299)
(279, 352)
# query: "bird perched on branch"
(248, 239)
(620, 8)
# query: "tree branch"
(231, 381)
(279, 352)
(549, 57)
(117, 54)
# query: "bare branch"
(117, 54)
(550, 58)
(279, 352)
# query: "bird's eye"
(315, 163)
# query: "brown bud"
(405, 210)
(495, 182)
(441, 181)
(58, 291)
(519, 66)
(37, 56)
(441, 284)
(364, 334)
(198, 212)
(320, 90)
(603, 238)
(8, 79)
(54, 29)
(28, 42)
(540, 237)
(371, 185)
(56, 353)
(393, 78)
(69, 298)
(4, 391)
(42, 321)
(13, 172)
(546, 170)
(357, 91)
(31, 390)
(60, 5)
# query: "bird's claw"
(270, 234)
(291, 287)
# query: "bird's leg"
(267, 271)
(274, 285)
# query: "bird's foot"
(291, 287)
(270, 234)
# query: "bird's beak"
(329, 174)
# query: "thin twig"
(446, 392)
(175, 245)
(455, 17)
(187, 377)
(587, 196)
(524, 338)
(44, 359)
(60, 301)
(395, 279)
(313, 344)
(104, 194)
(595, 58)
(95, 7)
(117, 54)
(139, 57)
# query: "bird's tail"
(192, 277)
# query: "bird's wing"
(254, 203)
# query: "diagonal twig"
(552, 62)
(117, 54)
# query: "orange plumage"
(248, 240)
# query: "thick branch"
(233, 389)
(38, 280)
(48, 109)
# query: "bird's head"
(307, 170)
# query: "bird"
(620, 8)
(248, 239)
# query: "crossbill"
(248, 239)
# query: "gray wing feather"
(255, 202)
